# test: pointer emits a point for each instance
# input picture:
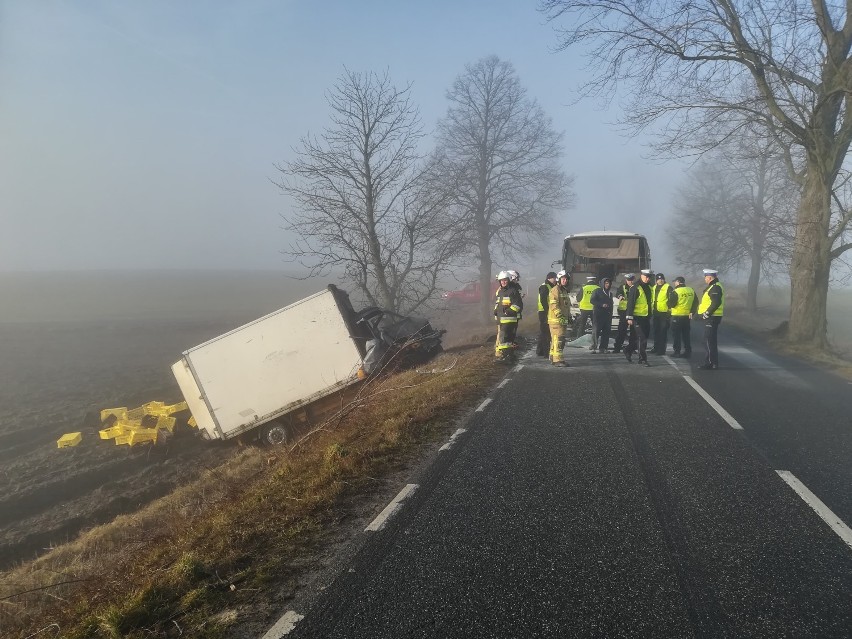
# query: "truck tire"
(276, 434)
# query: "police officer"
(621, 309)
(507, 309)
(638, 313)
(584, 301)
(558, 318)
(661, 315)
(683, 304)
(543, 347)
(711, 308)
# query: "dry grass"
(171, 569)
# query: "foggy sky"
(140, 135)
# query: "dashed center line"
(379, 522)
(284, 625)
(483, 405)
(818, 506)
(733, 423)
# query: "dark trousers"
(680, 334)
(602, 322)
(711, 343)
(580, 326)
(543, 346)
(621, 332)
(638, 338)
(661, 332)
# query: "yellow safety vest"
(661, 298)
(549, 288)
(586, 302)
(640, 308)
(705, 301)
(622, 303)
(685, 299)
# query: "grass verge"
(189, 563)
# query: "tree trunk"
(753, 282)
(486, 282)
(811, 263)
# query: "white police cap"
(710, 271)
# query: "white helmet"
(514, 275)
(502, 275)
(561, 274)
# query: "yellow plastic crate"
(141, 435)
(175, 408)
(136, 413)
(69, 439)
(192, 422)
(166, 423)
(112, 432)
(120, 413)
(122, 440)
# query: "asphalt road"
(612, 500)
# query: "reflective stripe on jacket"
(508, 304)
(559, 307)
(707, 300)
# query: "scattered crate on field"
(141, 424)
(69, 439)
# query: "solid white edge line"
(379, 522)
(517, 368)
(284, 625)
(452, 441)
(483, 405)
(504, 382)
(825, 513)
(733, 423)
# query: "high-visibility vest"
(706, 301)
(685, 300)
(661, 298)
(640, 308)
(622, 303)
(549, 288)
(586, 302)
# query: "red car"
(469, 293)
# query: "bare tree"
(497, 163)
(687, 63)
(734, 211)
(361, 204)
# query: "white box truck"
(250, 377)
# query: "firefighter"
(638, 317)
(507, 310)
(711, 308)
(684, 304)
(621, 309)
(661, 315)
(584, 301)
(543, 347)
(558, 318)
(602, 317)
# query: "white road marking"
(763, 366)
(528, 354)
(820, 508)
(733, 423)
(379, 522)
(452, 441)
(504, 382)
(517, 368)
(284, 625)
(483, 405)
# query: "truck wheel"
(276, 434)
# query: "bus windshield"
(604, 254)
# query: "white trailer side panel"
(272, 365)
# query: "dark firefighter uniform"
(507, 309)
(543, 346)
(638, 317)
(711, 308)
(683, 304)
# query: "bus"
(602, 254)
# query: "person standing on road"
(683, 304)
(543, 347)
(507, 309)
(558, 318)
(711, 308)
(584, 301)
(602, 315)
(661, 315)
(621, 333)
(638, 317)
